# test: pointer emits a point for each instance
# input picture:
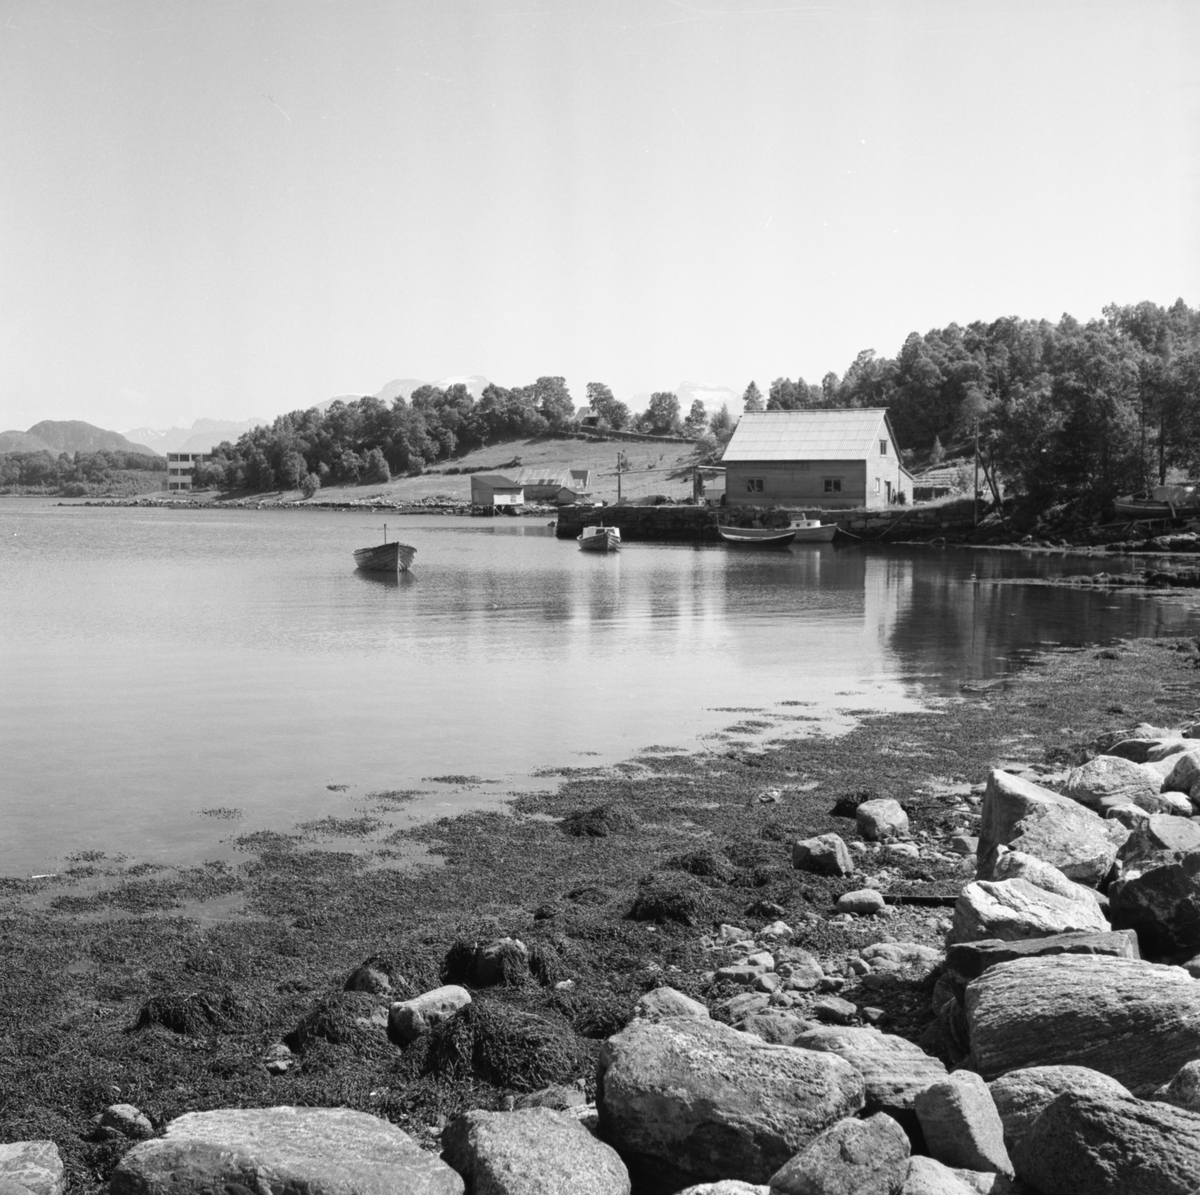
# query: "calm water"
(156, 664)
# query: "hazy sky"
(236, 208)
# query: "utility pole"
(619, 476)
(975, 497)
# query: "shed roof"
(540, 475)
(497, 481)
(808, 435)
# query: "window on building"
(833, 485)
(877, 485)
(754, 485)
(883, 448)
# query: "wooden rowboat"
(385, 558)
(600, 539)
(759, 537)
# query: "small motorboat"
(813, 531)
(1162, 502)
(600, 539)
(385, 558)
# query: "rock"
(128, 1121)
(699, 1101)
(727, 1186)
(865, 902)
(852, 1157)
(745, 972)
(881, 819)
(1021, 1095)
(775, 1025)
(800, 969)
(31, 1166)
(531, 1152)
(777, 931)
(1014, 909)
(1110, 1145)
(1158, 891)
(733, 933)
(556, 1097)
(320, 1151)
(1109, 780)
(964, 844)
(370, 976)
(1026, 817)
(927, 1176)
(968, 960)
(1184, 1089)
(1135, 1021)
(1016, 865)
(409, 1019)
(667, 1002)
(1149, 749)
(901, 955)
(737, 1008)
(498, 961)
(1129, 815)
(893, 1069)
(961, 1125)
(769, 982)
(902, 850)
(833, 1010)
(827, 854)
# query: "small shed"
(494, 489)
(543, 484)
(819, 458)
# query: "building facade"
(829, 459)
(494, 489)
(180, 466)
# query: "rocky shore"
(950, 952)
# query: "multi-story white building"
(180, 466)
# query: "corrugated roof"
(535, 475)
(496, 481)
(806, 435)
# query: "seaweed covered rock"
(505, 1046)
(698, 1101)
(321, 1151)
(486, 964)
(338, 1018)
(666, 896)
(189, 1013)
(531, 1152)
(598, 822)
(1135, 1021)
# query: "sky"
(241, 207)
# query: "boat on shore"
(600, 539)
(1162, 502)
(811, 531)
(385, 557)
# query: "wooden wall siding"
(796, 483)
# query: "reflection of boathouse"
(829, 459)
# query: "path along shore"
(557, 918)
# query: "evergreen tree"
(752, 400)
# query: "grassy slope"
(79, 970)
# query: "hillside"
(68, 435)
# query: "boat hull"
(822, 534)
(758, 537)
(384, 558)
(606, 539)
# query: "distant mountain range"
(202, 436)
(69, 435)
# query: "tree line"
(1061, 409)
(46, 470)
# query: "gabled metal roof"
(809, 435)
(496, 480)
(535, 475)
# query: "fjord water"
(158, 663)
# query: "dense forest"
(1061, 410)
(72, 474)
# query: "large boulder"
(961, 1125)
(1110, 1145)
(532, 1152)
(1184, 1089)
(1184, 776)
(1013, 909)
(1135, 1021)
(1016, 865)
(893, 1069)
(320, 1151)
(1026, 817)
(827, 854)
(1110, 780)
(698, 1101)
(35, 1167)
(969, 960)
(1021, 1096)
(881, 819)
(1158, 890)
(410, 1019)
(927, 1176)
(852, 1157)
(1151, 749)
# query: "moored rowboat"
(600, 539)
(762, 537)
(385, 557)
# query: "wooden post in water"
(618, 477)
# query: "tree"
(721, 422)
(610, 411)
(376, 467)
(662, 415)
(937, 453)
(752, 400)
(310, 484)
(553, 400)
(696, 423)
